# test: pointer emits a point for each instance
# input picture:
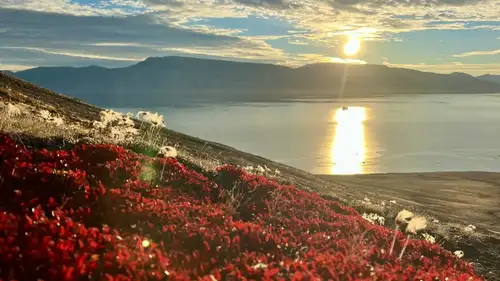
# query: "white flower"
(392, 201)
(45, 114)
(167, 151)
(416, 224)
(374, 218)
(470, 228)
(459, 254)
(260, 169)
(13, 110)
(404, 216)
(429, 238)
(152, 118)
(248, 169)
(260, 266)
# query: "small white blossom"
(374, 218)
(470, 228)
(167, 151)
(404, 216)
(429, 238)
(416, 224)
(152, 118)
(459, 254)
(260, 169)
(260, 266)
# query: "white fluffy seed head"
(152, 118)
(470, 228)
(404, 216)
(45, 114)
(416, 224)
(260, 169)
(429, 238)
(167, 151)
(459, 254)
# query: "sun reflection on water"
(348, 147)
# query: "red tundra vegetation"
(101, 212)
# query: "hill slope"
(162, 81)
(490, 78)
(482, 247)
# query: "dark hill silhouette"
(162, 81)
(490, 77)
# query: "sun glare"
(352, 46)
(348, 148)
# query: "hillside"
(119, 213)
(163, 81)
(490, 78)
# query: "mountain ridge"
(160, 81)
(490, 77)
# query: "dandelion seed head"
(459, 254)
(416, 224)
(404, 216)
(167, 151)
(429, 238)
(470, 228)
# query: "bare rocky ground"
(451, 201)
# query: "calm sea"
(418, 133)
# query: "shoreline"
(463, 196)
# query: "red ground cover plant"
(100, 212)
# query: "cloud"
(15, 67)
(97, 38)
(59, 39)
(106, 7)
(348, 61)
(121, 31)
(478, 53)
(73, 54)
(471, 68)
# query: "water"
(418, 133)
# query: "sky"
(430, 35)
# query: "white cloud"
(15, 67)
(348, 61)
(118, 44)
(478, 53)
(65, 7)
(471, 68)
(297, 42)
(129, 30)
(73, 54)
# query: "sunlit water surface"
(417, 133)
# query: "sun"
(352, 46)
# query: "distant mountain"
(163, 81)
(489, 77)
